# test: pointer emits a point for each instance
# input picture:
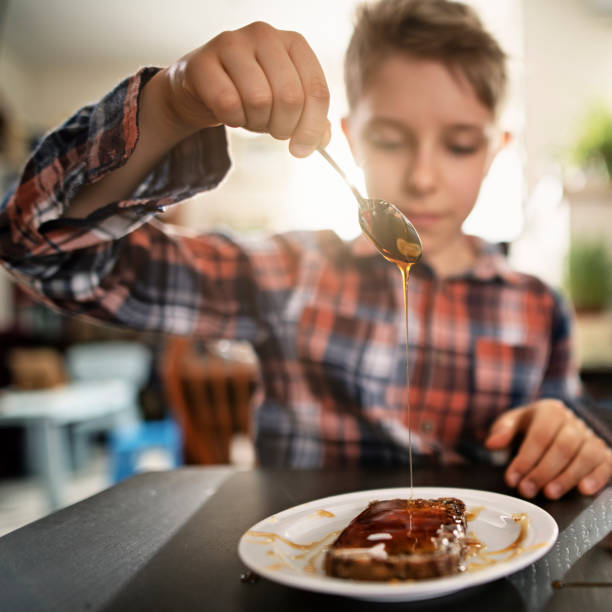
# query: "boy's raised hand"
(258, 78)
(558, 451)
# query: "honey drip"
(398, 242)
(405, 270)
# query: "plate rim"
(402, 591)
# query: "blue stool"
(127, 445)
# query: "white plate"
(269, 547)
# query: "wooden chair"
(210, 394)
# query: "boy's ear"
(505, 138)
(346, 128)
(502, 140)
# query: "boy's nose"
(420, 176)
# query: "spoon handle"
(339, 170)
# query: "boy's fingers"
(237, 57)
(203, 92)
(262, 79)
(546, 419)
(560, 454)
(312, 126)
(285, 83)
(590, 468)
(598, 478)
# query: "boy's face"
(423, 140)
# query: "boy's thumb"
(503, 430)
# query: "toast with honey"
(401, 539)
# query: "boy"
(489, 348)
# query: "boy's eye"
(385, 137)
(462, 149)
(387, 144)
(386, 141)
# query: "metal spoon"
(386, 226)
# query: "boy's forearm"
(158, 133)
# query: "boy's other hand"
(258, 78)
(558, 451)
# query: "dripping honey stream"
(398, 242)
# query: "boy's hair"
(440, 30)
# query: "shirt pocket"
(505, 375)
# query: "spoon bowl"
(384, 224)
(390, 231)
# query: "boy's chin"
(430, 240)
(451, 249)
(433, 243)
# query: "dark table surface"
(168, 540)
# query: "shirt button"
(427, 427)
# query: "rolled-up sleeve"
(95, 141)
(120, 264)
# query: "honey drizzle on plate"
(486, 558)
(523, 521)
(276, 566)
(324, 514)
(270, 537)
(311, 554)
(473, 513)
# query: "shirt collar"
(490, 262)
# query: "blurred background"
(548, 199)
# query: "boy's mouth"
(424, 220)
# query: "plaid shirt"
(324, 316)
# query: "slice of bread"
(401, 539)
